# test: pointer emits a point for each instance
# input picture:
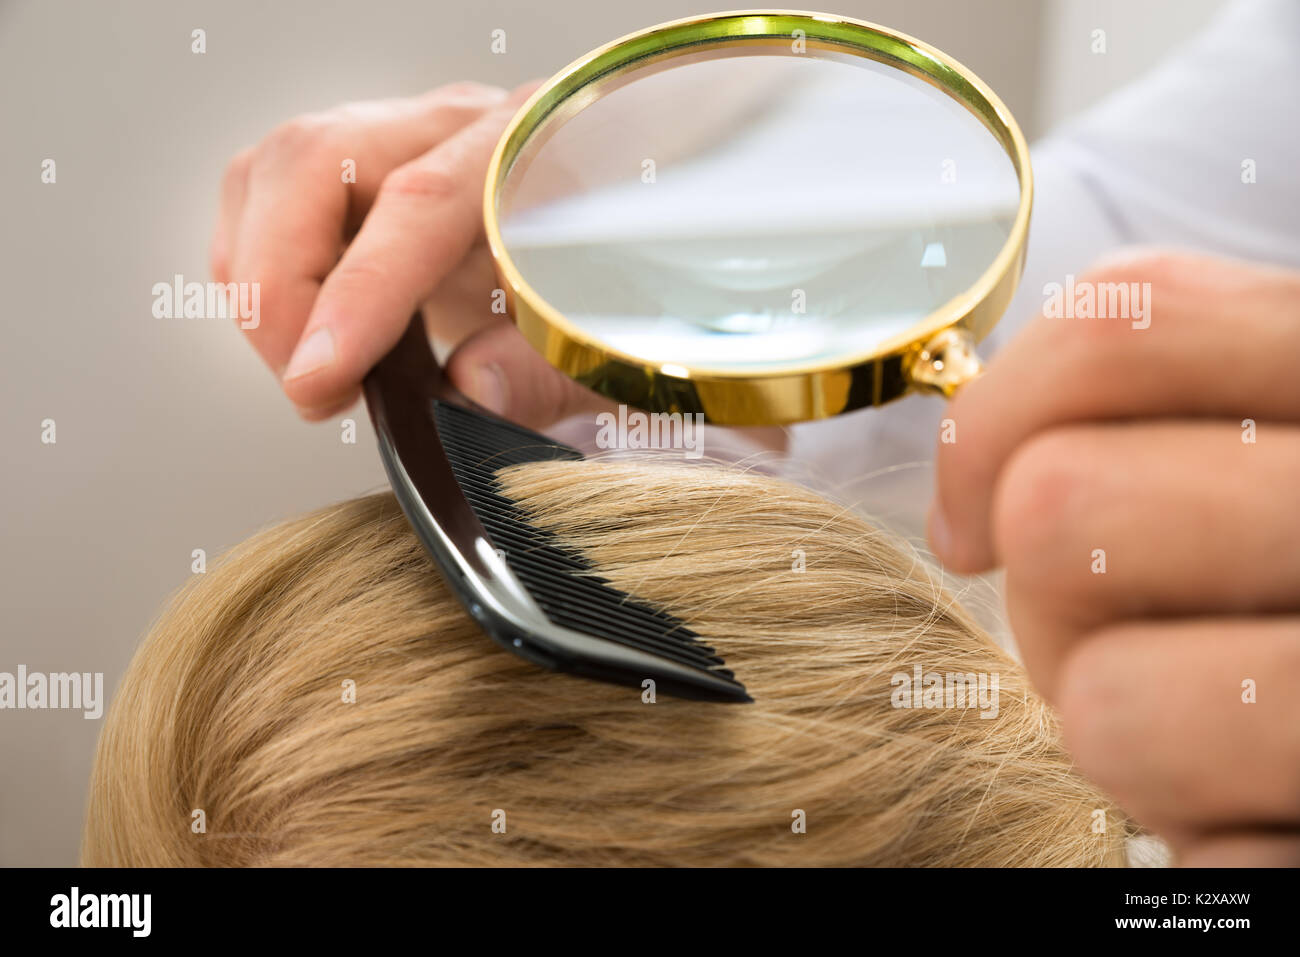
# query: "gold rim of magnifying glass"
(935, 355)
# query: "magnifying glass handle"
(945, 362)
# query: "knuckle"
(1035, 496)
(237, 170)
(425, 182)
(299, 128)
(1178, 281)
(1086, 347)
(470, 92)
(299, 136)
(1148, 265)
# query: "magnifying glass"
(766, 217)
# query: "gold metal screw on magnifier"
(936, 355)
(944, 363)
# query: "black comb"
(527, 590)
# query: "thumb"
(497, 368)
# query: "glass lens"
(745, 209)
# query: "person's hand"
(1140, 487)
(343, 265)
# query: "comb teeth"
(561, 580)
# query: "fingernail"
(938, 532)
(314, 352)
(490, 388)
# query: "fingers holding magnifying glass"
(1175, 355)
(289, 204)
(1135, 477)
(427, 217)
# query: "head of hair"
(320, 698)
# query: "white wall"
(1136, 35)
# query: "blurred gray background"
(171, 434)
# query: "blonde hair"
(231, 741)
